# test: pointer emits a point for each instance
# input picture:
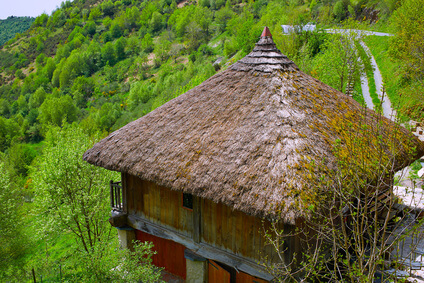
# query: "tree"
(107, 8)
(132, 17)
(9, 130)
(72, 195)
(340, 10)
(116, 30)
(108, 54)
(55, 110)
(12, 240)
(147, 43)
(71, 192)
(244, 30)
(49, 68)
(162, 48)
(57, 20)
(139, 93)
(107, 116)
(156, 22)
(37, 98)
(120, 45)
(90, 28)
(353, 224)
(338, 64)
(407, 46)
(19, 158)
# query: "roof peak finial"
(266, 33)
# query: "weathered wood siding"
(158, 205)
(237, 232)
(219, 225)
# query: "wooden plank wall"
(220, 226)
(217, 274)
(170, 255)
(235, 231)
(147, 200)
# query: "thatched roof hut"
(242, 137)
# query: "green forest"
(93, 66)
(13, 25)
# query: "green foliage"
(116, 30)
(49, 68)
(9, 131)
(90, 28)
(7, 59)
(132, 17)
(70, 192)
(108, 263)
(106, 117)
(147, 43)
(93, 66)
(12, 239)
(139, 93)
(57, 20)
(41, 20)
(72, 200)
(108, 54)
(244, 31)
(55, 110)
(95, 14)
(120, 45)
(19, 159)
(407, 45)
(13, 25)
(37, 98)
(19, 74)
(339, 10)
(156, 22)
(338, 62)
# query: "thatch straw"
(241, 137)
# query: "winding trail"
(366, 91)
(385, 105)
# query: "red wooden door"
(217, 274)
(170, 255)
(242, 277)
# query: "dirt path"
(366, 91)
(386, 105)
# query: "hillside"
(105, 63)
(13, 25)
(100, 64)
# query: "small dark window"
(188, 201)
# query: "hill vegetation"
(13, 25)
(100, 64)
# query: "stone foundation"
(126, 238)
(197, 267)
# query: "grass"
(369, 70)
(379, 46)
(357, 93)
(410, 105)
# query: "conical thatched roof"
(242, 137)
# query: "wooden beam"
(196, 219)
(124, 177)
(202, 249)
(118, 219)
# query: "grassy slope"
(370, 75)
(379, 46)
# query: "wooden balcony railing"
(116, 196)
